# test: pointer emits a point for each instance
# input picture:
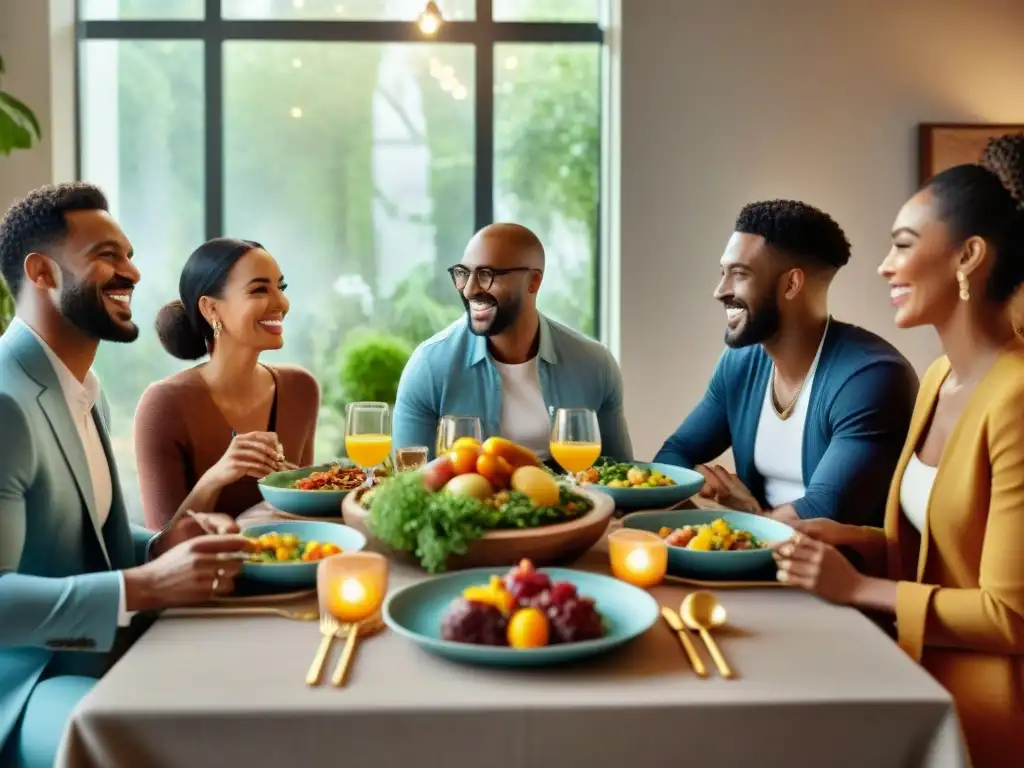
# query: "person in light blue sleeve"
(816, 411)
(73, 571)
(504, 361)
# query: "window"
(362, 153)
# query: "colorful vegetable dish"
(277, 547)
(611, 474)
(716, 536)
(525, 609)
(437, 511)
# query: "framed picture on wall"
(943, 145)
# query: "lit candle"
(351, 586)
(637, 557)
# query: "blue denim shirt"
(453, 374)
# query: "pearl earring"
(965, 287)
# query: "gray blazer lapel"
(55, 407)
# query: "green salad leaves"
(436, 525)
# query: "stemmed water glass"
(575, 440)
(451, 428)
(368, 435)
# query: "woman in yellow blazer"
(949, 564)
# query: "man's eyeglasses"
(484, 275)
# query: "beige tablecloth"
(818, 685)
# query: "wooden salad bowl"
(546, 545)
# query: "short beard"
(81, 304)
(504, 316)
(759, 326)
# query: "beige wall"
(37, 44)
(730, 101)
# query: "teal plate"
(276, 489)
(688, 482)
(416, 612)
(296, 575)
(734, 565)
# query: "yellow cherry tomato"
(495, 469)
(466, 443)
(463, 460)
(528, 628)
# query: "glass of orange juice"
(575, 440)
(368, 435)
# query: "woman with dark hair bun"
(1004, 156)
(947, 566)
(203, 437)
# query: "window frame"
(483, 33)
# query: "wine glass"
(368, 435)
(451, 428)
(575, 440)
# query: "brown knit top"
(180, 433)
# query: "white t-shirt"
(779, 444)
(524, 415)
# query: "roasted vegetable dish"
(716, 536)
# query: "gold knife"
(676, 623)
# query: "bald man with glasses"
(504, 361)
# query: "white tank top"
(916, 490)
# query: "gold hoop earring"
(216, 329)
(965, 287)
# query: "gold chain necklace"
(785, 413)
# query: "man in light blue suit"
(73, 571)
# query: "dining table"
(815, 684)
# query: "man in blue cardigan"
(816, 411)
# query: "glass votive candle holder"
(637, 557)
(351, 586)
(410, 457)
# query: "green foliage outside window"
(312, 183)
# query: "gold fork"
(351, 634)
(328, 629)
(288, 613)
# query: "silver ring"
(216, 579)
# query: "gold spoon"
(702, 611)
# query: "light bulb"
(296, 112)
(430, 20)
